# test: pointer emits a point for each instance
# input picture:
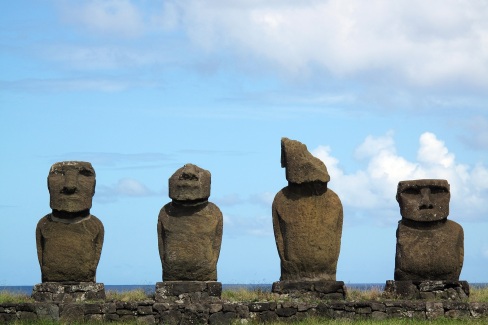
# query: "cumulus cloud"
(372, 191)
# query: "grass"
(132, 295)
(478, 294)
(14, 297)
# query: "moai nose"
(425, 202)
(70, 180)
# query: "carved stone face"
(424, 199)
(189, 183)
(71, 185)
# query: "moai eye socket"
(86, 172)
(411, 191)
(438, 190)
(188, 177)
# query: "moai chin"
(429, 247)
(307, 218)
(190, 228)
(69, 239)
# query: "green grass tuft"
(14, 297)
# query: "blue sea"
(149, 289)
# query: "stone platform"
(67, 292)
(445, 290)
(188, 291)
(327, 290)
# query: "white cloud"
(434, 152)
(131, 187)
(373, 189)
(117, 17)
(424, 43)
(125, 187)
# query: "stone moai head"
(190, 183)
(301, 166)
(424, 200)
(71, 186)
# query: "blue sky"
(382, 91)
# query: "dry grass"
(14, 297)
(242, 294)
(373, 294)
(132, 295)
(478, 294)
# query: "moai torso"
(69, 240)
(190, 228)
(307, 218)
(69, 252)
(429, 247)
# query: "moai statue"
(69, 239)
(189, 234)
(307, 223)
(429, 247)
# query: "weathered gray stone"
(69, 240)
(222, 318)
(147, 319)
(428, 290)
(93, 318)
(72, 313)
(379, 315)
(68, 292)
(434, 310)
(171, 317)
(259, 306)
(307, 217)
(190, 228)
(429, 247)
(286, 311)
(188, 291)
(26, 316)
(144, 310)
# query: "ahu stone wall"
(151, 312)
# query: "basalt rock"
(429, 247)
(307, 218)
(190, 228)
(69, 240)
